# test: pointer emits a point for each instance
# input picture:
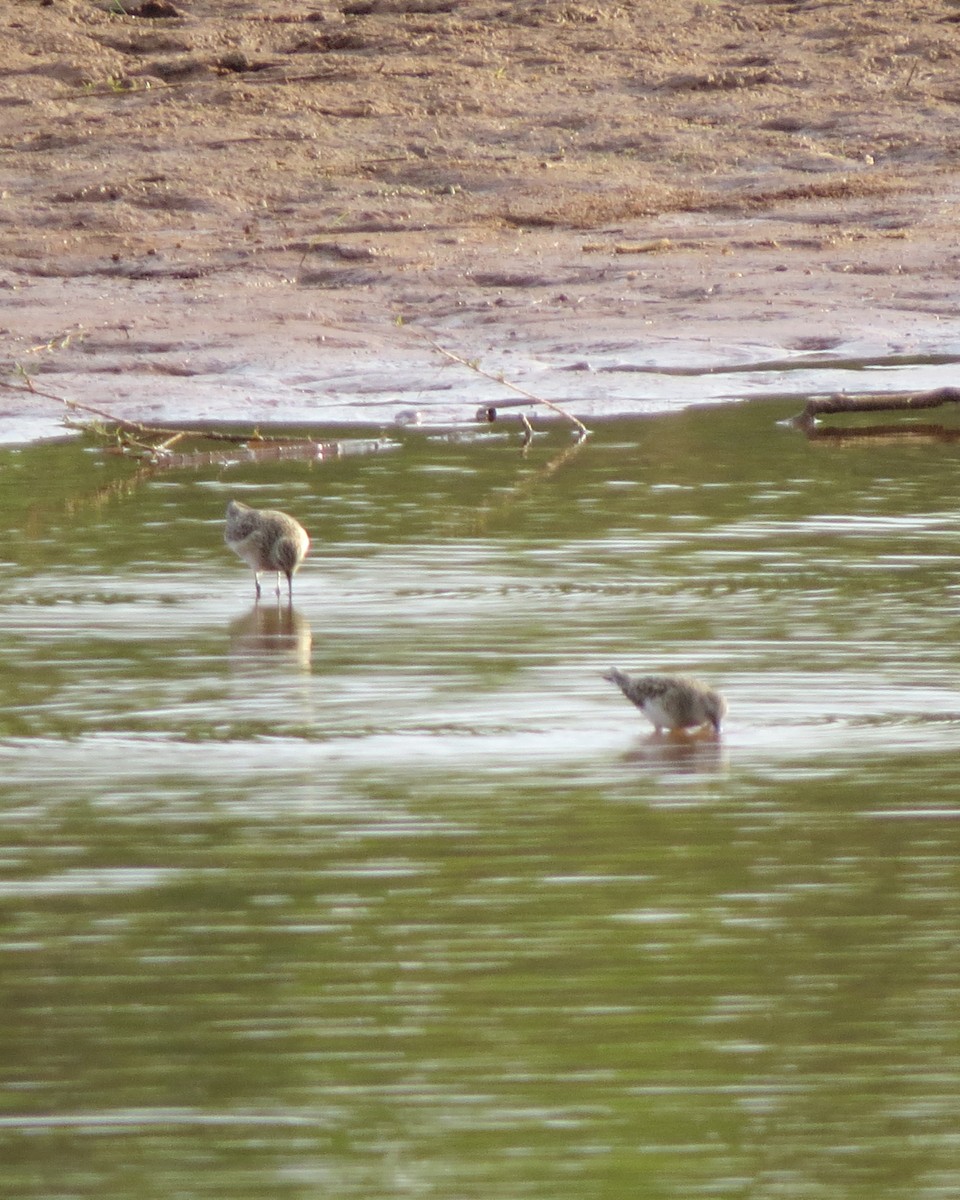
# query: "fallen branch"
(133, 427)
(137, 439)
(584, 431)
(820, 406)
(171, 435)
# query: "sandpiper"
(267, 540)
(672, 701)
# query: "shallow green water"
(397, 897)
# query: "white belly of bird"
(250, 551)
(656, 713)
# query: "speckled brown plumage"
(267, 540)
(672, 701)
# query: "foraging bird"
(267, 540)
(672, 701)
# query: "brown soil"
(256, 210)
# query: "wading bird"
(672, 701)
(267, 541)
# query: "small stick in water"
(267, 541)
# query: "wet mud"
(263, 212)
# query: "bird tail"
(286, 557)
(718, 710)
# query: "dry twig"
(584, 431)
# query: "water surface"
(392, 895)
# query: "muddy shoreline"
(620, 216)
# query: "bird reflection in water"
(267, 632)
(680, 752)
